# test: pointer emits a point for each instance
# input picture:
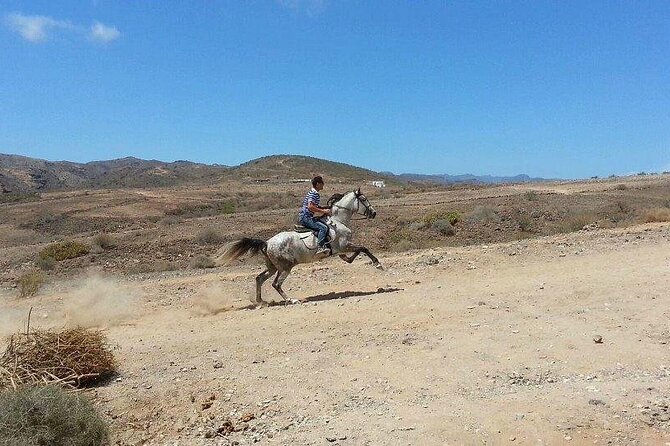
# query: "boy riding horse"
(310, 207)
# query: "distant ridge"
(21, 174)
(471, 179)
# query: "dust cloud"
(213, 300)
(101, 302)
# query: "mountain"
(23, 174)
(470, 179)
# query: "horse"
(289, 248)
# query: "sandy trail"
(480, 345)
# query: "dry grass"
(444, 227)
(656, 215)
(64, 250)
(75, 358)
(452, 217)
(30, 283)
(484, 215)
(36, 416)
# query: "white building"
(378, 183)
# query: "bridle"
(368, 212)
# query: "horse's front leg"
(357, 250)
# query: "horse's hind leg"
(261, 278)
(277, 283)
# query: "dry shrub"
(64, 250)
(30, 283)
(104, 241)
(45, 263)
(576, 222)
(656, 215)
(484, 214)
(76, 357)
(48, 415)
(444, 227)
(202, 262)
(209, 236)
(620, 187)
(524, 221)
(403, 245)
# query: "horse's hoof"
(379, 266)
(294, 301)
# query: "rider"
(310, 206)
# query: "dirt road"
(544, 341)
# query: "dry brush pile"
(73, 358)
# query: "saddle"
(308, 236)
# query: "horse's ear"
(358, 192)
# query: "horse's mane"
(334, 199)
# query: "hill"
(20, 174)
(295, 167)
(471, 179)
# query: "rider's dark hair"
(316, 180)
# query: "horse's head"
(364, 205)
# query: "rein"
(355, 211)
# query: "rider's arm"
(314, 209)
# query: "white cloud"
(103, 33)
(35, 28)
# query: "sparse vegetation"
(65, 250)
(202, 262)
(620, 187)
(656, 215)
(39, 416)
(104, 241)
(18, 197)
(209, 236)
(30, 283)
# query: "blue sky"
(550, 88)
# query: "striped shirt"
(311, 197)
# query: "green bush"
(452, 217)
(64, 250)
(41, 416)
(30, 283)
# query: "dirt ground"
(468, 345)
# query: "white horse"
(290, 248)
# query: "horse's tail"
(237, 249)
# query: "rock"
(331, 439)
(218, 364)
(512, 438)
(247, 417)
(598, 339)
(595, 402)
